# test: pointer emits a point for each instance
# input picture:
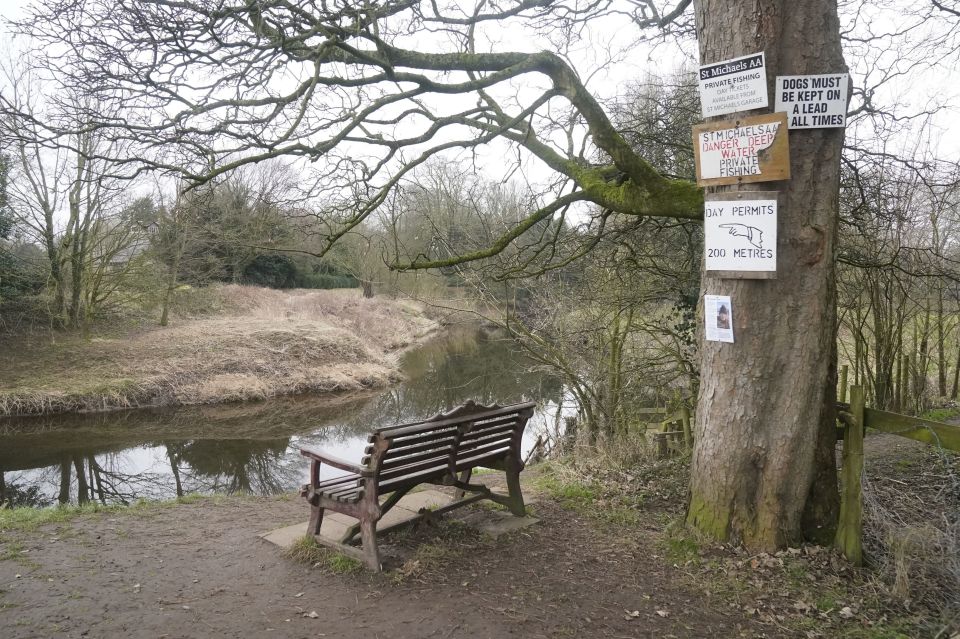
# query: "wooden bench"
(442, 450)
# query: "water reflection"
(121, 456)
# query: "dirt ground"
(199, 569)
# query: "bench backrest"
(469, 435)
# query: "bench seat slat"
(474, 446)
(346, 494)
(412, 439)
(401, 429)
(337, 481)
(434, 433)
(400, 471)
(479, 460)
(436, 472)
(487, 448)
(420, 473)
(419, 445)
(434, 453)
(392, 460)
(506, 429)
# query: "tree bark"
(765, 428)
(941, 351)
(956, 374)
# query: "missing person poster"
(718, 313)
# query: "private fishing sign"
(740, 236)
(733, 85)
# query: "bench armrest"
(336, 462)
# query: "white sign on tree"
(813, 101)
(740, 236)
(734, 85)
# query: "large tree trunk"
(763, 463)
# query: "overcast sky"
(11, 8)
(940, 85)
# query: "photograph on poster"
(718, 314)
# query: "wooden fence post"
(687, 431)
(850, 527)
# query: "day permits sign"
(734, 85)
(740, 236)
(813, 101)
(753, 149)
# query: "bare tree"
(60, 188)
(371, 92)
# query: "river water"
(121, 456)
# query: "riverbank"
(259, 343)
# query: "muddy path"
(200, 570)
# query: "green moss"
(342, 564)
(707, 519)
(941, 414)
(682, 549)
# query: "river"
(122, 456)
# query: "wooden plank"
(482, 460)
(413, 469)
(922, 430)
(649, 411)
(424, 433)
(435, 452)
(394, 453)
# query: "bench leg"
(316, 520)
(515, 504)
(368, 535)
(464, 479)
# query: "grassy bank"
(258, 343)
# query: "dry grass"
(265, 343)
(912, 525)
